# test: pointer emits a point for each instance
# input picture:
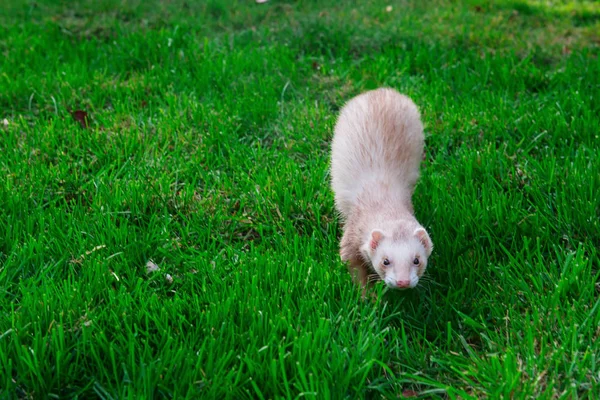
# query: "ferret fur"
(376, 153)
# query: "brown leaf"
(409, 393)
(81, 117)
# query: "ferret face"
(400, 264)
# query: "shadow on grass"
(581, 13)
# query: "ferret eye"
(416, 261)
(386, 261)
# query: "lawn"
(167, 229)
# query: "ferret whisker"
(429, 280)
(426, 280)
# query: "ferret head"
(400, 263)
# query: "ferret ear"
(376, 237)
(425, 240)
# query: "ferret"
(376, 152)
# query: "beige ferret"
(375, 157)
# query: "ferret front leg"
(360, 275)
(357, 267)
(358, 271)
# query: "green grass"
(207, 152)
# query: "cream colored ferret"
(375, 156)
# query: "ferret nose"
(403, 284)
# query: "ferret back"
(378, 142)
